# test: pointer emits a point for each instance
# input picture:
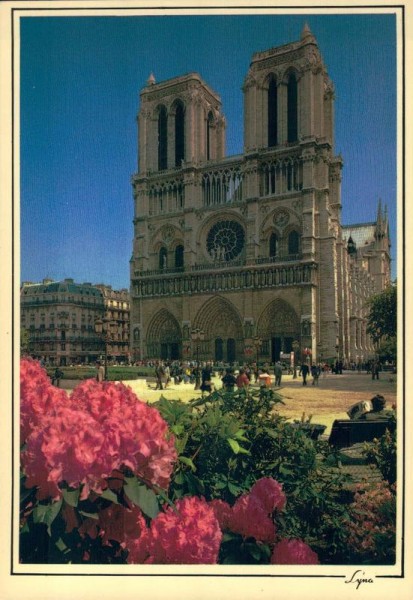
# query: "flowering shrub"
(190, 534)
(37, 396)
(99, 428)
(107, 479)
(293, 552)
(372, 525)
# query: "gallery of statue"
(246, 254)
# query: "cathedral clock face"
(225, 240)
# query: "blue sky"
(80, 84)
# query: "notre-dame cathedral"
(242, 256)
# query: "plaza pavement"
(326, 402)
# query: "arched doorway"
(164, 338)
(222, 325)
(278, 326)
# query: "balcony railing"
(247, 277)
(218, 265)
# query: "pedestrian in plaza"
(304, 370)
(229, 380)
(100, 371)
(242, 379)
(206, 378)
(315, 373)
(159, 374)
(278, 371)
(375, 370)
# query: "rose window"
(225, 240)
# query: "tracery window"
(292, 112)
(162, 139)
(293, 242)
(225, 240)
(163, 254)
(273, 245)
(272, 112)
(179, 134)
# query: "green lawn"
(115, 373)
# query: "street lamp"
(197, 336)
(295, 346)
(257, 341)
(106, 328)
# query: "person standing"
(278, 371)
(242, 379)
(304, 370)
(229, 380)
(100, 371)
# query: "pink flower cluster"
(83, 438)
(368, 519)
(188, 534)
(293, 552)
(37, 396)
(251, 515)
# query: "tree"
(382, 319)
(24, 341)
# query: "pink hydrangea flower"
(222, 511)
(250, 519)
(38, 398)
(84, 439)
(293, 552)
(269, 493)
(189, 535)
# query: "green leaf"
(234, 445)
(109, 495)
(46, 513)
(142, 497)
(239, 435)
(62, 546)
(234, 489)
(71, 497)
(187, 461)
(90, 515)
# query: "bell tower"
(288, 96)
(180, 123)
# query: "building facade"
(249, 250)
(58, 319)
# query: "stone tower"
(242, 256)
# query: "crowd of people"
(233, 376)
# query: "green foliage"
(382, 320)
(232, 439)
(382, 452)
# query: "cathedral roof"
(362, 234)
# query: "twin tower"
(243, 254)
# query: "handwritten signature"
(358, 578)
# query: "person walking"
(278, 371)
(304, 370)
(315, 373)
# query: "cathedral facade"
(245, 256)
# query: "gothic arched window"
(162, 139)
(293, 242)
(179, 257)
(163, 254)
(179, 134)
(273, 245)
(292, 109)
(209, 133)
(272, 112)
